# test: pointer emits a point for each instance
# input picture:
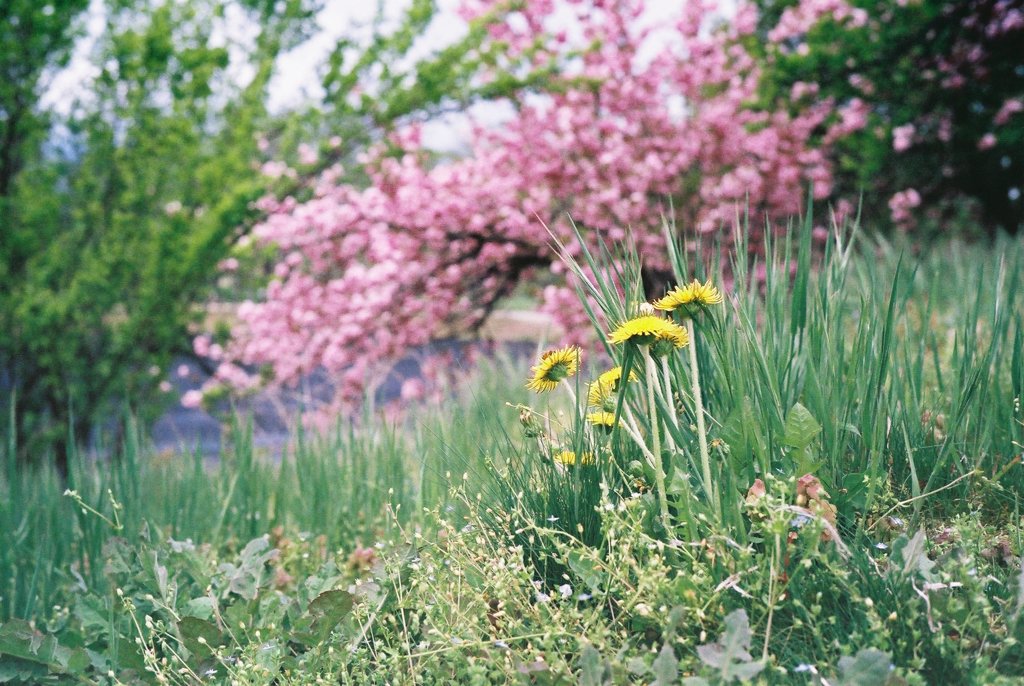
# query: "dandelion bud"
(531, 428)
(662, 347)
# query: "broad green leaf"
(801, 427)
(200, 637)
(117, 556)
(92, 615)
(591, 667)
(856, 490)
(587, 570)
(78, 661)
(250, 574)
(26, 653)
(805, 461)
(202, 607)
(328, 610)
(18, 671)
(870, 667)
(666, 667)
(746, 445)
(730, 654)
(19, 639)
(637, 667)
(913, 555)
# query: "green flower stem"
(572, 393)
(698, 402)
(666, 395)
(629, 424)
(667, 380)
(659, 469)
(771, 594)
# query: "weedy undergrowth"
(800, 470)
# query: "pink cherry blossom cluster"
(903, 137)
(969, 60)
(901, 204)
(801, 17)
(1009, 108)
(367, 274)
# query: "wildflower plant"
(653, 345)
(862, 525)
(709, 430)
(690, 302)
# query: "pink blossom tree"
(639, 115)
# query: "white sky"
(297, 73)
(297, 79)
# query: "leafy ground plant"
(845, 513)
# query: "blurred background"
(203, 201)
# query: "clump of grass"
(339, 485)
(817, 479)
(836, 363)
(827, 398)
(461, 604)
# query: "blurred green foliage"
(116, 214)
(944, 68)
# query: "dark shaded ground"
(273, 411)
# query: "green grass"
(341, 485)
(894, 378)
(881, 349)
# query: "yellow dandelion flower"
(648, 329)
(554, 366)
(606, 419)
(690, 297)
(568, 458)
(601, 390)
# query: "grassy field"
(848, 514)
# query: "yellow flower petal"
(568, 458)
(602, 418)
(695, 293)
(647, 329)
(601, 390)
(554, 365)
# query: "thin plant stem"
(666, 397)
(667, 394)
(631, 427)
(572, 393)
(666, 378)
(698, 402)
(771, 596)
(659, 469)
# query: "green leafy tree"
(115, 220)
(943, 85)
(33, 40)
